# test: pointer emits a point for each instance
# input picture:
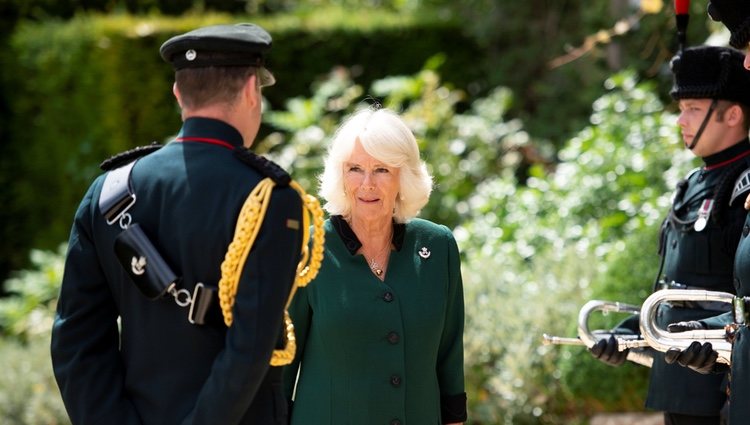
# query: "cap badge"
(424, 252)
(190, 55)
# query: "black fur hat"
(735, 15)
(710, 72)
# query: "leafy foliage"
(533, 253)
(82, 90)
(536, 254)
(27, 311)
(28, 392)
(461, 149)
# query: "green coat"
(739, 387)
(372, 352)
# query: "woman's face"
(370, 185)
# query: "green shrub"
(82, 90)
(536, 254)
(533, 253)
(28, 391)
(26, 312)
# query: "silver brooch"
(424, 252)
(190, 55)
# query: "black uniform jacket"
(120, 358)
(739, 388)
(701, 260)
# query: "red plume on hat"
(682, 17)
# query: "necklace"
(375, 266)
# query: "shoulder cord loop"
(246, 230)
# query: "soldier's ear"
(734, 115)
(251, 91)
(177, 95)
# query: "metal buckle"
(126, 205)
(191, 313)
(739, 311)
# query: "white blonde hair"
(387, 138)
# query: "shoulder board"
(123, 158)
(741, 185)
(264, 165)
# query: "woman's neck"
(373, 233)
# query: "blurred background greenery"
(546, 123)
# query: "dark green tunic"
(699, 259)
(372, 352)
(158, 368)
(739, 405)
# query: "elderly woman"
(380, 330)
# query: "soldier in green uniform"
(735, 15)
(700, 234)
(140, 340)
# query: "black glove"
(699, 357)
(692, 325)
(605, 350)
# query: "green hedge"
(81, 90)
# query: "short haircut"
(387, 138)
(724, 105)
(200, 87)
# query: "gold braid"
(246, 230)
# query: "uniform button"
(395, 380)
(393, 337)
(388, 297)
(745, 230)
(674, 243)
(395, 422)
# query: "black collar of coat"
(351, 241)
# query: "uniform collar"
(209, 130)
(729, 155)
(351, 241)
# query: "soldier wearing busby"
(699, 236)
(735, 15)
(172, 302)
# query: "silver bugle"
(588, 339)
(662, 340)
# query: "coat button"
(395, 422)
(395, 380)
(745, 230)
(674, 243)
(388, 297)
(393, 337)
